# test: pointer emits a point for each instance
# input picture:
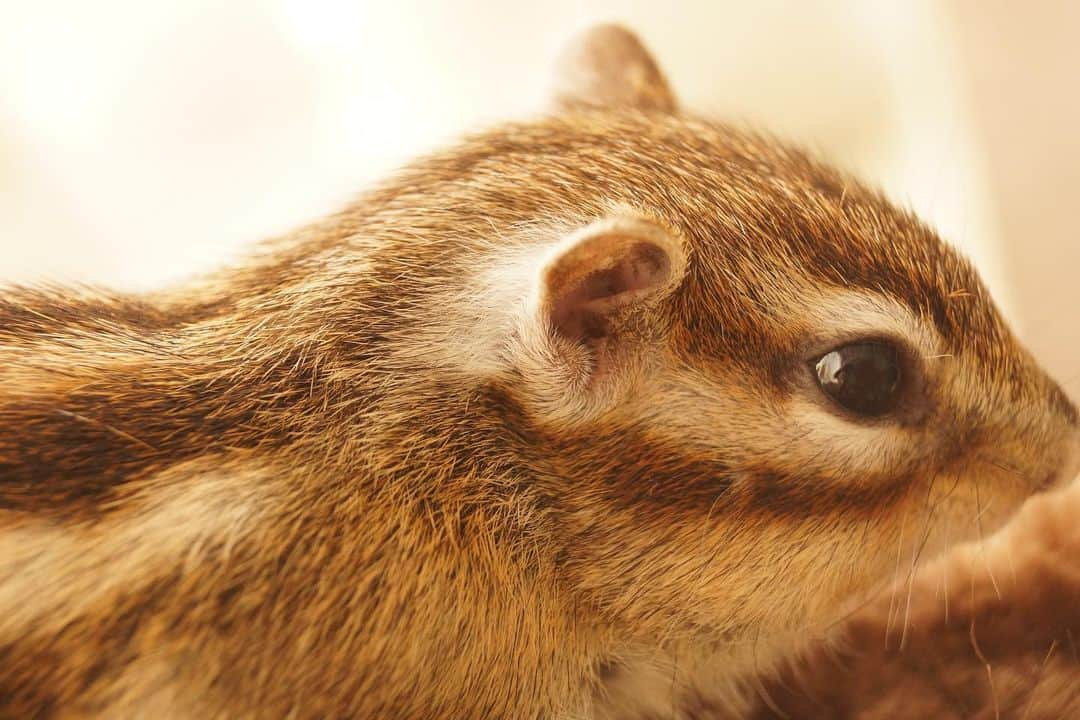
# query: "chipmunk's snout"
(1068, 469)
(1065, 406)
(1056, 457)
(1050, 447)
(1056, 401)
(1066, 424)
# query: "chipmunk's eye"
(863, 377)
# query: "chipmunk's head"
(754, 385)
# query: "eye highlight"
(865, 378)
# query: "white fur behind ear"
(500, 329)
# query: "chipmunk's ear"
(604, 270)
(606, 66)
(595, 315)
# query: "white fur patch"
(51, 573)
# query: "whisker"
(982, 541)
(1008, 469)
(985, 662)
(915, 559)
(896, 577)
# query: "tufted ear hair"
(606, 66)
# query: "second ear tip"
(605, 35)
(607, 66)
(609, 31)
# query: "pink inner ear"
(583, 313)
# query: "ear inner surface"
(610, 267)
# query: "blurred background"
(144, 141)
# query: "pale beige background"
(141, 142)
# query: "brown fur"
(364, 475)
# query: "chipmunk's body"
(528, 432)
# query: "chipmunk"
(572, 420)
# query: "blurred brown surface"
(987, 631)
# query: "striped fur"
(359, 476)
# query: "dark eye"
(863, 377)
